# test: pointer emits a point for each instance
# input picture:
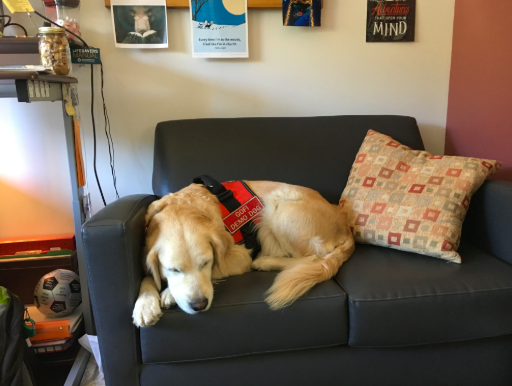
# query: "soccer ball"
(58, 293)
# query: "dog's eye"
(174, 270)
(205, 264)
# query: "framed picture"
(391, 21)
(302, 13)
(139, 23)
(219, 28)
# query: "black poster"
(391, 21)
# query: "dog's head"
(188, 247)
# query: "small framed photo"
(140, 23)
(390, 21)
(302, 13)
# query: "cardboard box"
(11, 246)
(21, 274)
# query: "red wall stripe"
(479, 122)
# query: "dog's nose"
(199, 304)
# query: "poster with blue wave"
(219, 28)
(302, 13)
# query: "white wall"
(291, 72)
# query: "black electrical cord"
(9, 23)
(58, 25)
(108, 133)
(92, 109)
(8, 17)
(94, 135)
(19, 25)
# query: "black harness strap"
(229, 201)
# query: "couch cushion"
(239, 322)
(316, 152)
(399, 298)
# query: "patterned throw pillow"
(411, 200)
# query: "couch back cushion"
(316, 152)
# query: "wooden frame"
(250, 3)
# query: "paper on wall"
(219, 28)
(15, 6)
(139, 23)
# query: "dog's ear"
(153, 267)
(156, 207)
(230, 259)
(221, 245)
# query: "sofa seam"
(122, 221)
(437, 342)
(91, 295)
(341, 285)
(499, 186)
(130, 276)
(247, 354)
(261, 302)
(136, 204)
(428, 295)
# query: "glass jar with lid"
(54, 50)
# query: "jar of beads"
(54, 50)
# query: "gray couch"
(387, 318)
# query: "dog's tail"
(299, 278)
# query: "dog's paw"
(264, 263)
(166, 299)
(147, 310)
(271, 263)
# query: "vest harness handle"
(231, 203)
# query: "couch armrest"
(488, 224)
(113, 244)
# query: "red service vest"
(249, 211)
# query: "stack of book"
(54, 334)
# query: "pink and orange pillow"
(411, 200)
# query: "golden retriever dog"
(187, 245)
